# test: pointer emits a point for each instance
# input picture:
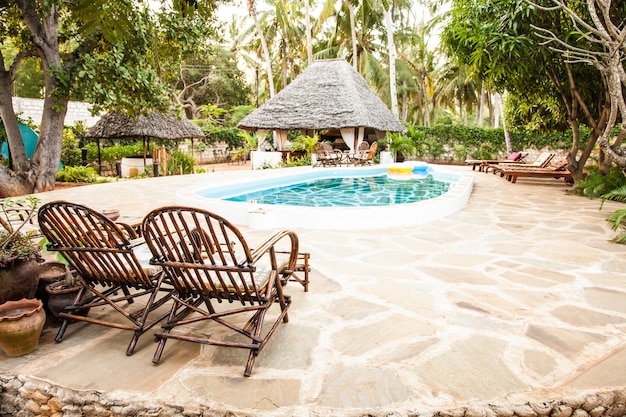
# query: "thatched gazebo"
(328, 96)
(153, 125)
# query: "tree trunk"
(392, 62)
(266, 52)
(355, 54)
(309, 41)
(39, 173)
(425, 93)
(481, 105)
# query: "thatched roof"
(329, 94)
(154, 125)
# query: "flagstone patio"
(515, 305)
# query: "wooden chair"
(326, 155)
(113, 269)
(367, 158)
(219, 279)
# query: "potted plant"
(65, 292)
(20, 255)
(401, 146)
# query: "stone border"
(24, 396)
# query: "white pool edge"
(264, 216)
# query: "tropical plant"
(251, 143)
(179, 163)
(305, 143)
(15, 243)
(401, 146)
(618, 218)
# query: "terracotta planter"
(19, 281)
(60, 296)
(21, 323)
(49, 272)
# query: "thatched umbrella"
(329, 94)
(153, 125)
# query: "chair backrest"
(203, 253)
(364, 146)
(94, 245)
(372, 151)
(543, 159)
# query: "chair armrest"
(269, 244)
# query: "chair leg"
(159, 350)
(133, 342)
(251, 358)
(61, 331)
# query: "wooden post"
(163, 159)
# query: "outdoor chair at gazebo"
(326, 155)
(113, 270)
(366, 158)
(220, 280)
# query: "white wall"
(77, 112)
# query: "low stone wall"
(23, 396)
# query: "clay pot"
(21, 323)
(19, 280)
(49, 272)
(60, 296)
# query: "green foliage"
(230, 136)
(79, 174)
(599, 186)
(618, 217)
(70, 152)
(15, 244)
(239, 112)
(304, 160)
(251, 143)
(179, 163)
(401, 145)
(110, 154)
(305, 143)
(483, 143)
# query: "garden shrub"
(179, 163)
(79, 174)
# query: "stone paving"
(517, 298)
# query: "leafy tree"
(212, 78)
(597, 40)
(498, 39)
(105, 52)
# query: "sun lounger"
(514, 157)
(556, 170)
(542, 161)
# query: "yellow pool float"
(400, 170)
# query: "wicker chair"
(113, 269)
(366, 158)
(219, 279)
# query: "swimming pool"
(351, 191)
(256, 214)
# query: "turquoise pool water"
(345, 198)
(350, 191)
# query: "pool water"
(374, 197)
(369, 191)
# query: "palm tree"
(266, 52)
(456, 84)
(391, 50)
